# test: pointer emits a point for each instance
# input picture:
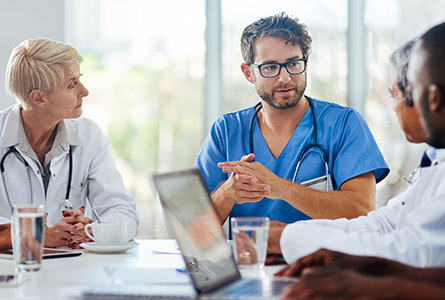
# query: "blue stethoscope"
(313, 147)
(65, 204)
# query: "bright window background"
(145, 66)
(327, 69)
(389, 23)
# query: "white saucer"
(109, 249)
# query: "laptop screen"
(191, 217)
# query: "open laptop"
(208, 257)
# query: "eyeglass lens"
(293, 67)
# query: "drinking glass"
(250, 240)
(28, 232)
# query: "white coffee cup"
(108, 234)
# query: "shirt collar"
(66, 135)
(14, 133)
(437, 155)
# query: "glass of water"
(250, 240)
(28, 231)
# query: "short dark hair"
(432, 48)
(433, 42)
(400, 60)
(280, 25)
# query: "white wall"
(24, 19)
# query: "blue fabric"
(425, 161)
(351, 149)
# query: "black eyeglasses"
(293, 67)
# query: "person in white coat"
(50, 154)
(326, 274)
(411, 228)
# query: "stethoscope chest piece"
(65, 204)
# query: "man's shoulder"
(328, 105)
(239, 116)
(327, 109)
(242, 112)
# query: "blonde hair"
(37, 64)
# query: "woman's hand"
(69, 231)
(5, 236)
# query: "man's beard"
(269, 98)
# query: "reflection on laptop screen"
(196, 226)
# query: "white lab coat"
(94, 172)
(410, 229)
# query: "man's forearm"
(356, 198)
(222, 204)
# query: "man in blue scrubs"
(256, 180)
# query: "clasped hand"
(69, 231)
(250, 181)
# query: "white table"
(64, 278)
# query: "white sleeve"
(419, 241)
(304, 237)
(106, 192)
(4, 220)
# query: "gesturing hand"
(253, 174)
(243, 187)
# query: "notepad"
(47, 253)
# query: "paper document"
(150, 276)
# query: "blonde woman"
(50, 154)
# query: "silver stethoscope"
(306, 149)
(64, 205)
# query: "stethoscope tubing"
(306, 149)
(14, 150)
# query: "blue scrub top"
(344, 134)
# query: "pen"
(96, 215)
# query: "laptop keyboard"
(131, 297)
(255, 287)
